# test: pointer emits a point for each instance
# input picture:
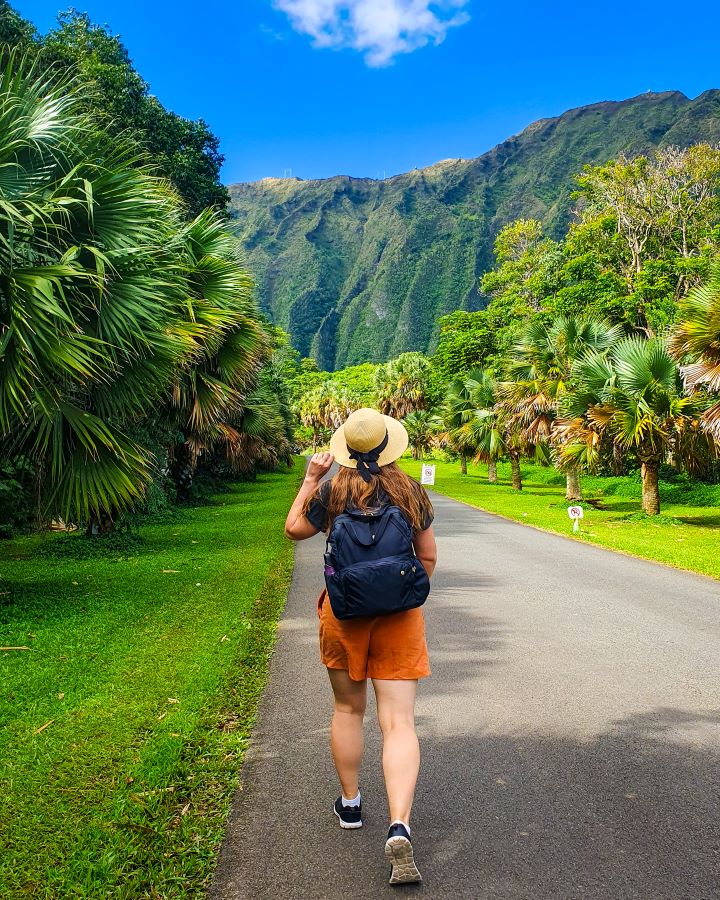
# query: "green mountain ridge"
(358, 269)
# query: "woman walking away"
(379, 555)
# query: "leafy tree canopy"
(14, 30)
(184, 151)
(468, 340)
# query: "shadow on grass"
(712, 521)
(611, 506)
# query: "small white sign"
(575, 513)
(428, 475)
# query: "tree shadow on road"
(632, 813)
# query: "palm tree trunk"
(181, 472)
(515, 469)
(100, 524)
(463, 464)
(492, 472)
(572, 485)
(650, 488)
(38, 496)
(414, 452)
(618, 461)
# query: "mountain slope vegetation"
(359, 270)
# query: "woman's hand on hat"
(319, 465)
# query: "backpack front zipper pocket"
(378, 587)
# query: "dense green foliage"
(696, 341)
(596, 351)
(575, 392)
(118, 99)
(146, 659)
(129, 338)
(360, 270)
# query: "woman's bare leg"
(401, 751)
(346, 730)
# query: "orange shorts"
(391, 647)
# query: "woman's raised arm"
(297, 527)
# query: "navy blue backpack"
(370, 564)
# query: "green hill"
(358, 270)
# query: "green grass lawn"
(685, 535)
(123, 727)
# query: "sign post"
(428, 474)
(575, 513)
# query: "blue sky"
(362, 87)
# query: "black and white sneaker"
(349, 816)
(399, 852)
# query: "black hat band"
(367, 463)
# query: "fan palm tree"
(309, 410)
(489, 437)
(229, 344)
(258, 435)
(696, 341)
(457, 410)
(471, 421)
(540, 369)
(88, 296)
(632, 396)
(401, 384)
(107, 301)
(421, 425)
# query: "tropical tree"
(467, 340)
(525, 272)
(229, 345)
(508, 434)
(487, 428)
(109, 305)
(456, 400)
(457, 411)
(325, 407)
(15, 31)
(184, 151)
(696, 342)
(402, 384)
(632, 396)
(422, 426)
(88, 300)
(310, 411)
(670, 196)
(653, 220)
(471, 421)
(258, 433)
(540, 367)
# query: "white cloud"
(378, 28)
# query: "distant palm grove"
(596, 353)
(136, 366)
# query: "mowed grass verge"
(685, 535)
(124, 726)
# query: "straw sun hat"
(370, 439)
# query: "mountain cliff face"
(358, 270)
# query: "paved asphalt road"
(570, 735)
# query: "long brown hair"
(347, 487)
